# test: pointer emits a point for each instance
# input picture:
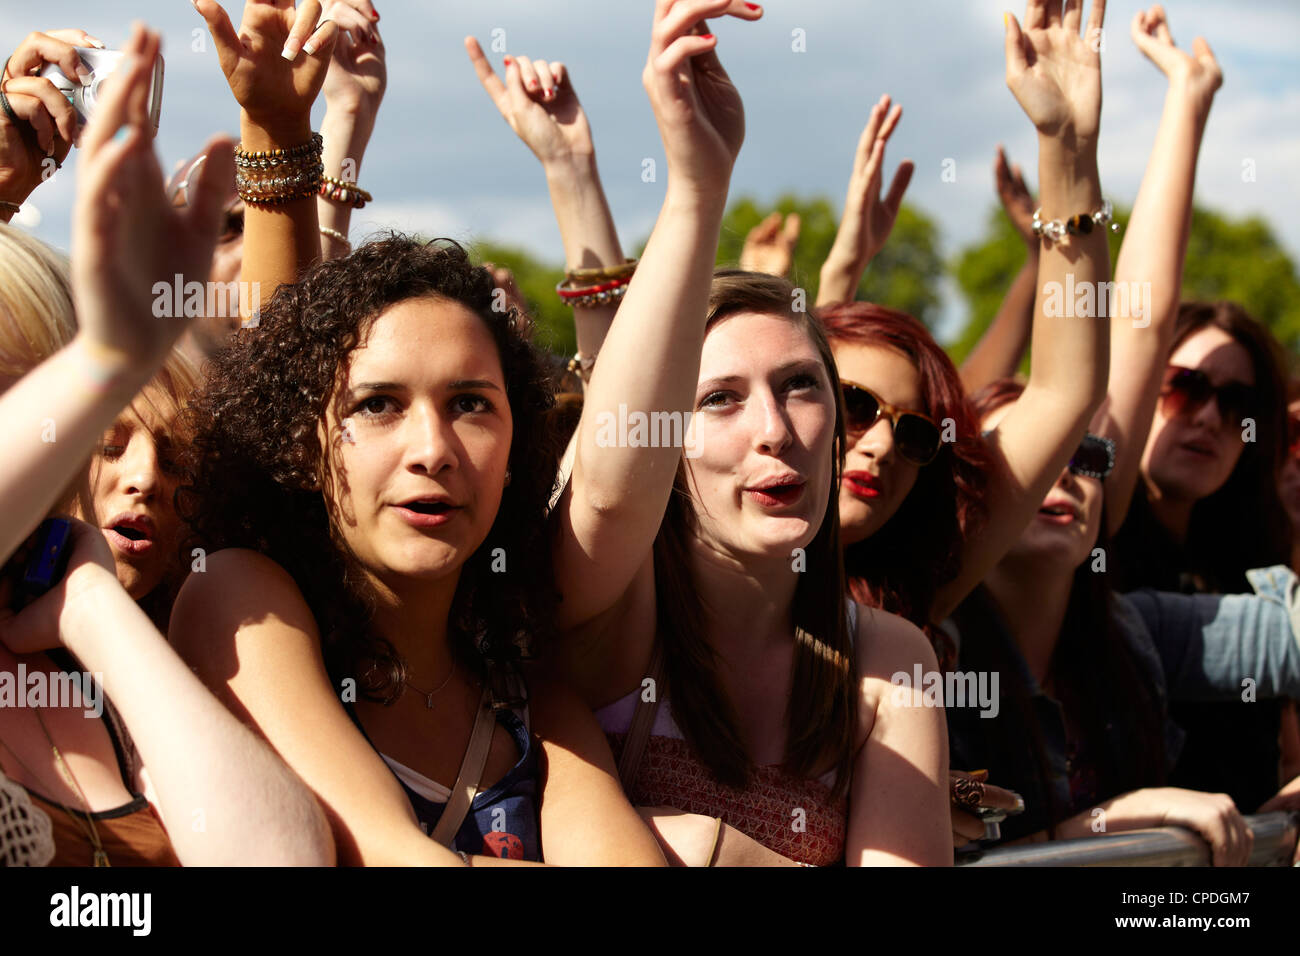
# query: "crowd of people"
(366, 577)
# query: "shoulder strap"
(643, 719)
(471, 771)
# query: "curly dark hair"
(256, 468)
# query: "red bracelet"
(564, 293)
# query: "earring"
(507, 477)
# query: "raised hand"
(867, 220)
(127, 236)
(273, 81)
(44, 125)
(700, 115)
(537, 99)
(769, 247)
(1016, 198)
(358, 74)
(1198, 73)
(1054, 73)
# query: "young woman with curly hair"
(371, 464)
(371, 468)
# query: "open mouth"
(130, 533)
(777, 495)
(1057, 514)
(428, 507)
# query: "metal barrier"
(1275, 844)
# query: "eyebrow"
(796, 365)
(457, 385)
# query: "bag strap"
(643, 719)
(471, 771)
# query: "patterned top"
(793, 817)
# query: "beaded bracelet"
(1081, 225)
(602, 294)
(335, 234)
(581, 365)
(341, 190)
(296, 173)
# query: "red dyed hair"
(902, 566)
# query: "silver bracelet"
(12, 207)
(1080, 225)
(464, 857)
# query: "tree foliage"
(1232, 259)
(904, 276)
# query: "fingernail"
(84, 75)
(99, 44)
(309, 48)
(508, 60)
(706, 36)
(1006, 20)
(288, 52)
(753, 6)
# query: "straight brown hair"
(822, 709)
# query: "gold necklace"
(99, 858)
(428, 697)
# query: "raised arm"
(354, 88)
(867, 221)
(538, 101)
(55, 415)
(999, 351)
(1055, 75)
(275, 66)
(769, 246)
(1150, 261)
(612, 508)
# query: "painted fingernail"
(289, 52)
(84, 75)
(97, 43)
(753, 6)
(309, 48)
(508, 60)
(706, 36)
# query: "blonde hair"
(36, 313)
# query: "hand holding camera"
(38, 125)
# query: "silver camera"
(101, 64)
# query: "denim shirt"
(1199, 647)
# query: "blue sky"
(443, 162)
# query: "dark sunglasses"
(1186, 390)
(1094, 458)
(915, 436)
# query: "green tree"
(1232, 259)
(905, 275)
(536, 281)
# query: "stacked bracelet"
(279, 175)
(588, 296)
(581, 365)
(623, 271)
(1056, 230)
(340, 190)
(10, 206)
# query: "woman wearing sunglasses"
(926, 507)
(1081, 729)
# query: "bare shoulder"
(243, 611)
(886, 644)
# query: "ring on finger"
(967, 792)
